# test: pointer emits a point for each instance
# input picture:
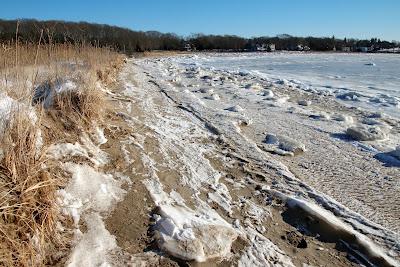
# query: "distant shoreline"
(128, 41)
(165, 53)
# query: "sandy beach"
(237, 170)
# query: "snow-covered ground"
(298, 143)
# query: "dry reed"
(28, 180)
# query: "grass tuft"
(84, 105)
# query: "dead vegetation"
(28, 212)
(29, 216)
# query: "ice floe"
(365, 133)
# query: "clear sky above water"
(342, 18)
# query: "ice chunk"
(191, 235)
(284, 143)
(282, 100)
(344, 118)
(363, 133)
(377, 115)
(243, 73)
(213, 97)
(245, 121)
(291, 145)
(350, 96)
(253, 86)
(272, 139)
(236, 108)
(206, 90)
(282, 82)
(69, 205)
(268, 94)
(304, 102)
(321, 116)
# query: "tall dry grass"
(28, 179)
(27, 193)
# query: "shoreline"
(226, 128)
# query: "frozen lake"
(371, 81)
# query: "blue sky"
(342, 18)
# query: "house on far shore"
(265, 47)
(188, 47)
(299, 47)
(271, 48)
(346, 49)
(261, 48)
(364, 49)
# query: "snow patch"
(99, 134)
(6, 106)
(59, 151)
(97, 191)
(88, 194)
(94, 245)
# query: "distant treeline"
(121, 39)
(286, 42)
(126, 40)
